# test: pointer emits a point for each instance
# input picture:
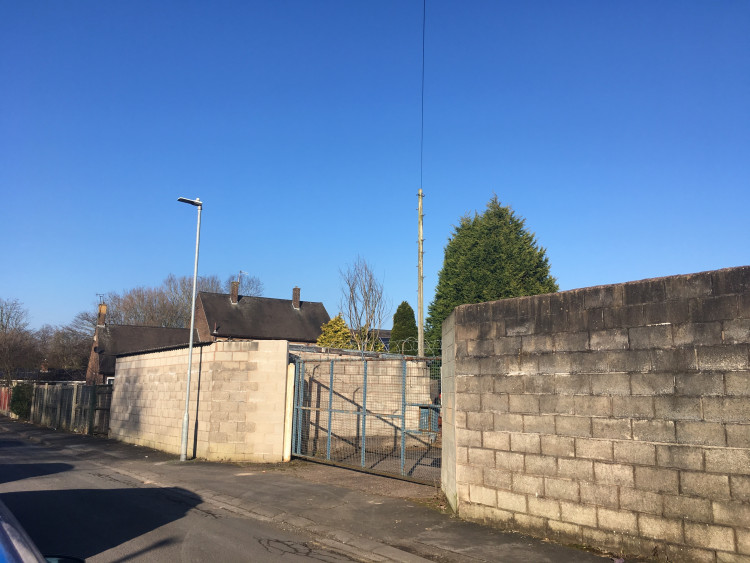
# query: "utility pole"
(420, 195)
(420, 275)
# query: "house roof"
(263, 318)
(118, 340)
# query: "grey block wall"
(615, 416)
(237, 400)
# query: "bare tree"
(363, 304)
(63, 348)
(68, 346)
(13, 316)
(17, 344)
(144, 306)
(167, 305)
(250, 286)
(84, 323)
(179, 294)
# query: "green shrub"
(20, 400)
(335, 334)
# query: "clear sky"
(619, 130)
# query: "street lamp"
(183, 444)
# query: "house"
(380, 333)
(219, 316)
(385, 337)
(111, 341)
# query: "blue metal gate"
(375, 414)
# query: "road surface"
(77, 507)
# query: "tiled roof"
(263, 318)
(117, 340)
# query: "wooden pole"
(420, 276)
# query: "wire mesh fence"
(377, 414)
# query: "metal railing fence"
(376, 414)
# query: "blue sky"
(619, 130)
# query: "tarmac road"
(108, 501)
(75, 507)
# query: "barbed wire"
(410, 346)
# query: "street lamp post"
(183, 444)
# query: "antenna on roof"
(240, 275)
(101, 297)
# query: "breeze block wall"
(238, 390)
(614, 416)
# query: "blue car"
(15, 544)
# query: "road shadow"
(85, 522)
(11, 443)
(19, 471)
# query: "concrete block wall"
(237, 400)
(615, 416)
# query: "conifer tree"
(335, 334)
(404, 332)
(488, 257)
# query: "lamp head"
(197, 202)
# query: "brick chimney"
(101, 316)
(295, 298)
(234, 296)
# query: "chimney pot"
(102, 315)
(235, 290)
(295, 298)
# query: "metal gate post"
(364, 414)
(403, 415)
(330, 413)
(295, 423)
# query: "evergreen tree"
(335, 334)
(488, 257)
(404, 332)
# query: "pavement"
(366, 517)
